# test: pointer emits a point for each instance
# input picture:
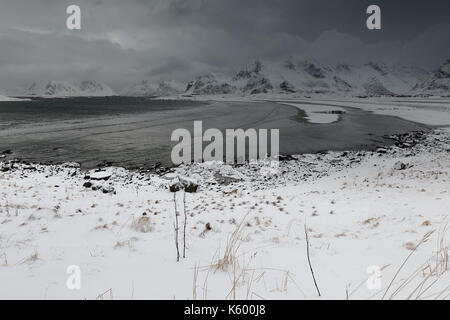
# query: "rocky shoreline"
(291, 168)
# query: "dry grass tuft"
(233, 243)
(143, 224)
(419, 284)
(107, 294)
(32, 258)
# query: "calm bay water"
(135, 132)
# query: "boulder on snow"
(87, 184)
(183, 183)
(108, 189)
(287, 157)
(71, 165)
(400, 166)
(382, 150)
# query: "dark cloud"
(125, 41)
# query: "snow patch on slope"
(5, 98)
(438, 84)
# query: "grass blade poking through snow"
(309, 261)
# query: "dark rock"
(400, 166)
(108, 189)
(286, 157)
(7, 152)
(156, 166)
(179, 183)
(87, 184)
(191, 188)
(73, 165)
(224, 180)
(161, 170)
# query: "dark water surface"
(135, 132)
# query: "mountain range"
(308, 77)
(86, 88)
(145, 88)
(296, 77)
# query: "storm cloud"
(122, 42)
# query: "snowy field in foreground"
(360, 209)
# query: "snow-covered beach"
(245, 230)
(224, 158)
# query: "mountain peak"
(146, 88)
(53, 88)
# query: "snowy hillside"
(93, 88)
(148, 89)
(437, 84)
(66, 89)
(306, 76)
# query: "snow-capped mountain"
(438, 83)
(307, 76)
(145, 89)
(148, 89)
(66, 89)
(211, 84)
(94, 88)
(293, 76)
(169, 88)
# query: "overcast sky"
(122, 42)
